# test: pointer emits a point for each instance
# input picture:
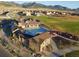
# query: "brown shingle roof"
(35, 42)
(33, 22)
(42, 37)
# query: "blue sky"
(69, 4)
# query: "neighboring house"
(29, 24)
(32, 24)
(49, 13)
(39, 14)
(21, 13)
(21, 23)
(5, 13)
(28, 13)
(63, 13)
(75, 14)
(53, 13)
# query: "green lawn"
(73, 54)
(68, 24)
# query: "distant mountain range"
(9, 4)
(37, 5)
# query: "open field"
(73, 54)
(68, 23)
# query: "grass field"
(73, 54)
(68, 23)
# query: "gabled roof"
(42, 37)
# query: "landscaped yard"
(69, 23)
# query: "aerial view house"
(38, 29)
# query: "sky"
(69, 4)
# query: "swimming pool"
(34, 32)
